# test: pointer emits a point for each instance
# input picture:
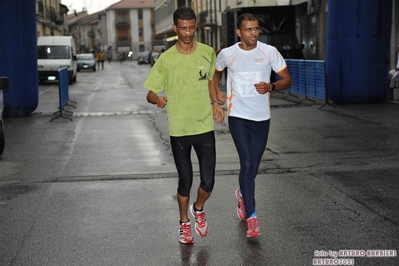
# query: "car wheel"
(1, 139)
(94, 69)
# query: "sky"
(92, 6)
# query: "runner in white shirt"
(249, 65)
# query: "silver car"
(86, 61)
(3, 86)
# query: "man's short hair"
(245, 16)
(183, 13)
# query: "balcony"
(207, 18)
(123, 39)
(122, 24)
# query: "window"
(53, 52)
(123, 35)
(40, 8)
(122, 18)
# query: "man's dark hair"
(245, 16)
(183, 13)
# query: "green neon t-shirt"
(184, 78)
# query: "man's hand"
(153, 98)
(218, 113)
(220, 96)
(162, 101)
(263, 87)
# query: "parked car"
(3, 86)
(86, 61)
(144, 58)
(155, 56)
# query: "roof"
(93, 18)
(83, 18)
(129, 4)
(74, 17)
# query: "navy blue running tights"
(250, 139)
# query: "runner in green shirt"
(185, 72)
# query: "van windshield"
(53, 52)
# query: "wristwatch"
(273, 87)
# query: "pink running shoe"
(185, 236)
(201, 226)
(253, 227)
(241, 207)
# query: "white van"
(53, 53)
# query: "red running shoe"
(241, 207)
(253, 227)
(201, 226)
(185, 236)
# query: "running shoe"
(185, 236)
(201, 226)
(253, 227)
(241, 207)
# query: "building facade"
(143, 25)
(51, 18)
(131, 28)
(75, 30)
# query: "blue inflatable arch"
(358, 50)
(18, 56)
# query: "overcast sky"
(92, 6)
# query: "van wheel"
(1, 139)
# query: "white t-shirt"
(245, 69)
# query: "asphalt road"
(101, 189)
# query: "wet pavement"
(101, 189)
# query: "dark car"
(144, 58)
(155, 56)
(3, 86)
(86, 61)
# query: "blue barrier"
(308, 79)
(63, 89)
